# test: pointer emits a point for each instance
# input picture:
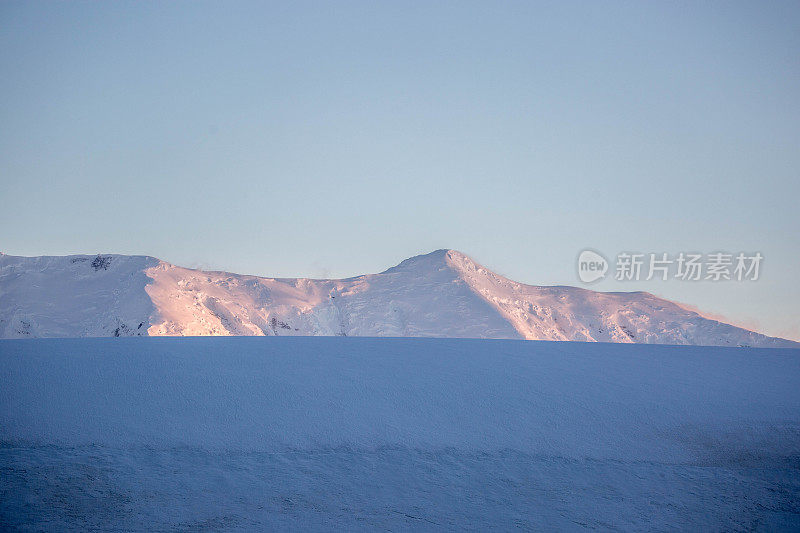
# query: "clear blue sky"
(337, 138)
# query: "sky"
(330, 139)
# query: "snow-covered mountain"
(440, 294)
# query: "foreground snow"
(441, 294)
(348, 433)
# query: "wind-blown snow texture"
(361, 434)
(441, 294)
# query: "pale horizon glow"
(332, 140)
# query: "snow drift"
(364, 433)
(441, 294)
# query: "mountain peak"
(443, 258)
(432, 260)
(443, 293)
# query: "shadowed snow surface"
(361, 433)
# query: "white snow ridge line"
(441, 294)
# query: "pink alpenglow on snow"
(440, 294)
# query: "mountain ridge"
(444, 293)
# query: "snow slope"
(74, 296)
(363, 433)
(441, 294)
